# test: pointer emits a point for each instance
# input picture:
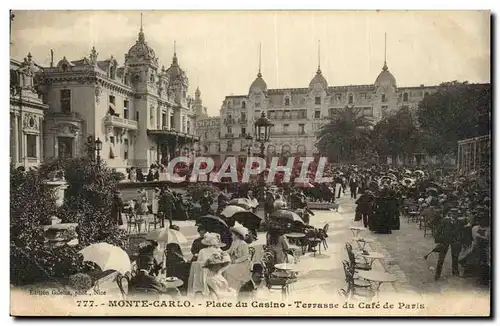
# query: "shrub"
(196, 190)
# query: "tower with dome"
(298, 113)
(140, 110)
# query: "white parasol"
(230, 210)
(167, 235)
(107, 257)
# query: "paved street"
(403, 251)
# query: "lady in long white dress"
(238, 273)
(198, 274)
(216, 282)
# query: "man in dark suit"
(448, 236)
(247, 290)
(144, 282)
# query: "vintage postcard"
(250, 163)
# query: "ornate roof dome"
(141, 50)
(319, 79)
(259, 83)
(175, 71)
(385, 78)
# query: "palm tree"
(346, 134)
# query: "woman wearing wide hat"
(216, 283)
(198, 275)
(239, 271)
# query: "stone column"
(16, 139)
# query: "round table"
(295, 235)
(377, 278)
(372, 256)
(362, 242)
(356, 229)
(170, 282)
(285, 267)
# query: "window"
(164, 120)
(125, 149)
(383, 98)
(338, 97)
(317, 114)
(229, 130)
(302, 129)
(257, 104)
(31, 146)
(243, 116)
(243, 131)
(65, 100)
(287, 101)
(405, 97)
(151, 115)
(363, 96)
(137, 116)
(426, 93)
(229, 146)
(188, 130)
(302, 114)
(317, 100)
(243, 105)
(65, 147)
(152, 77)
(285, 128)
(112, 99)
(229, 117)
(351, 99)
(112, 139)
(172, 122)
(125, 109)
(112, 72)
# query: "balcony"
(229, 135)
(242, 121)
(229, 122)
(114, 121)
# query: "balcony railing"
(229, 122)
(229, 135)
(242, 121)
(115, 121)
(287, 117)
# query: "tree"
(347, 133)
(88, 200)
(456, 111)
(396, 135)
(31, 206)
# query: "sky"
(219, 50)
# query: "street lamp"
(262, 134)
(249, 143)
(98, 148)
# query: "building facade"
(27, 111)
(142, 113)
(299, 113)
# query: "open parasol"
(303, 185)
(212, 223)
(230, 210)
(287, 215)
(248, 219)
(167, 235)
(241, 202)
(107, 257)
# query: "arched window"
(383, 98)
(243, 105)
(287, 101)
(405, 97)
(351, 99)
(285, 150)
(64, 67)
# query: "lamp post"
(249, 143)
(262, 134)
(98, 148)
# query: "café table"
(283, 278)
(376, 279)
(170, 283)
(371, 257)
(362, 242)
(356, 230)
